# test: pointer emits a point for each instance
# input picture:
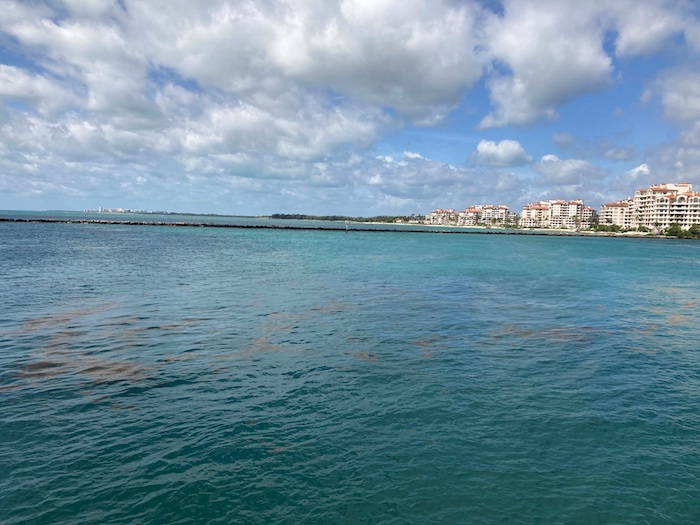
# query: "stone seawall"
(353, 228)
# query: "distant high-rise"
(558, 214)
(656, 207)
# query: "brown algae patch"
(43, 369)
(510, 330)
(178, 358)
(428, 344)
(681, 319)
(184, 323)
(649, 329)
(64, 317)
(263, 345)
(367, 356)
(97, 370)
(110, 370)
(558, 334)
(574, 334)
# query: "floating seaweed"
(428, 344)
(367, 356)
(557, 334)
(63, 317)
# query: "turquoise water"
(205, 375)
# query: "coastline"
(533, 231)
(413, 228)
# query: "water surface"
(201, 375)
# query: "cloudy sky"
(358, 107)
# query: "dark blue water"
(198, 375)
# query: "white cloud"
(217, 100)
(564, 140)
(501, 154)
(638, 174)
(645, 27)
(550, 57)
(679, 90)
(417, 59)
(555, 171)
(597, 148)
(432, 184)
(92, 8)
(418, 64)
(46, 95)
(623, 153)
(545, 57)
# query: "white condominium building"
(557, 214)
(486, 214)
(441, 217)
(619, 213)
(656, 207)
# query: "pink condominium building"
(656, 207)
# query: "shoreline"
(413, 228)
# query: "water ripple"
(294, 377)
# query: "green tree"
(675, 230)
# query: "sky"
(347, 107)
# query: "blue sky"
(344, 106)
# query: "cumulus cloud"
(544, 66)
(543, 57)
(501, 154)
(554, 170)
(597, 148)
(679, 94)
(615, 153)
(217, 99)
(564, 140)
(47, 95)
(433, 184)
(645, 27)
(679, 91)
(638, 174)
(287, 77)
(414, 155)
(418, 63)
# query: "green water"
(201, 375)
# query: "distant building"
(656, 207)
(558, 214)
(486, 214)
(619, 213)
(535, 215)
(441, 217)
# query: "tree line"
(377, 218)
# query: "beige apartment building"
(559, 214)
(476, 215)
(486, 214)
(441, 217)
(656, 207)
(619, 213)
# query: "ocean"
(165, 375)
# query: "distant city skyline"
(344, 107)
